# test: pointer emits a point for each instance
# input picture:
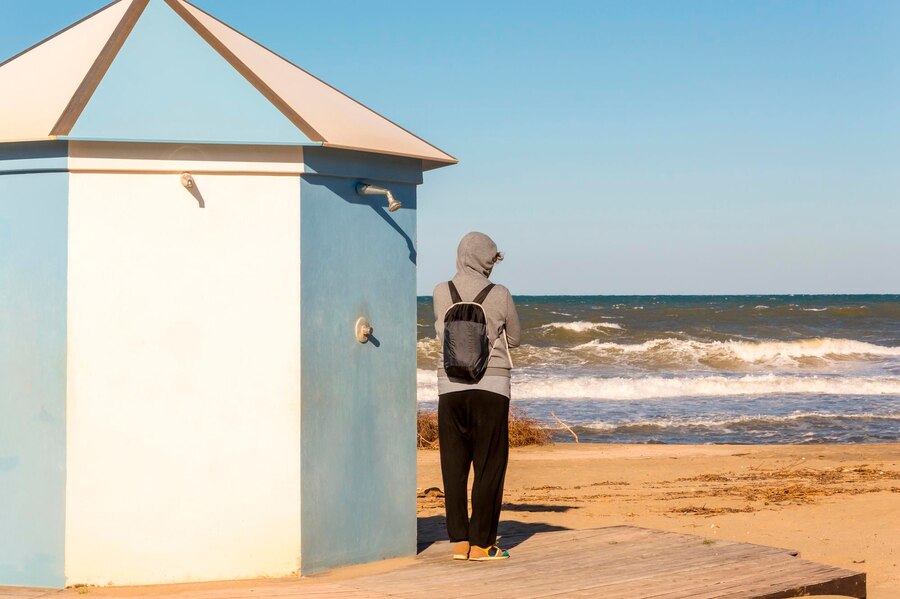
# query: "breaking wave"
(673, 354)
(654, 387)
(725, 421)
(730, 354)
(428, 348)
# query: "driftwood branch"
(426, 443)
(566, 426)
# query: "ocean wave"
(625, 388)
(674, 352)
(724, 421)
(428, 351)
(582, 326)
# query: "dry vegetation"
(523, 430)
(789, 485)
(709, 511)
(710, 494)
(427, 425)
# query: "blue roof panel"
(167, 83)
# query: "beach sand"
(835, 504)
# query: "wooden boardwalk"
(625, 562)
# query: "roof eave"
(435, 160)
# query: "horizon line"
(698, 294)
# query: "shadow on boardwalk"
(432, 529)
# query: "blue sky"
(627, 147)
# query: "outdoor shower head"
(364, 189)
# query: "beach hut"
(207, 309)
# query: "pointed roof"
(164, 70)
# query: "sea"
(749, 369)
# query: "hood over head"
(475, 255)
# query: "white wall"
(183, 404)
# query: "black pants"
(473, 429)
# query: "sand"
(836, 504)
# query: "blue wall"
(358, 401)
(33, 266)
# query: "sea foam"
(674, 354)
(770, 353)
(654, 387)
(726, 422)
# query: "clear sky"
(619, 147)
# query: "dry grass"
(702, 510)
(788, 485)
(523, 430)
(427, 425)
(606, 483)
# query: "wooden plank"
(24, 592)
(492, 576)
(576, 574)
(446, 570)
(664, 558)
(695, 582)
(303, 588)
(761, 578)
(686, 561)
(545, 540)
(623, 582)
(626, 566)
(622, 562)
(852, 585)
(705, 577)
(719, 579)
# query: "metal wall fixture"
(365, 189)
(187, 181)
(363, 330)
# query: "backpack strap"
(479, 299)
(454, 294)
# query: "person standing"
(473, 416)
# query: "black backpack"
(467, 348)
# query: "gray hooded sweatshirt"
(474, 262)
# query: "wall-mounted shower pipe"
(364, 189)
